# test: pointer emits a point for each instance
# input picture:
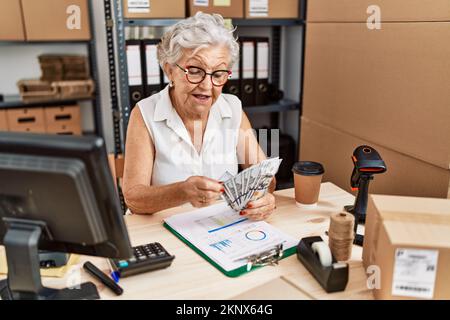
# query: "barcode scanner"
(367, 162)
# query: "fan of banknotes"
(250, 184)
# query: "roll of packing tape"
(323, 251)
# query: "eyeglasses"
(196, 75)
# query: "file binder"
(248, 72)
(135, 74)
(152, 70)
(262, 71)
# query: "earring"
(171, 84)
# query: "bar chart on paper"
(221, 245)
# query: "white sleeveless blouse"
(176, 158)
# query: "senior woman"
(181, 140)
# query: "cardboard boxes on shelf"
(57, 67)
(55, 120)
(408, 240)
(272, 9)
(63, 20)
(34, 90)
(63, 120)
(26, 120)
(3, 121)
(11, 22)
(228, 9)
(387, 87)
(154, 9)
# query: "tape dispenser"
(316, 256)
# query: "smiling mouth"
(201, 97)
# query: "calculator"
(146, 258)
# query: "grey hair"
(197, 32)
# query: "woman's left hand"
(260, 209)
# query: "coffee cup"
(307, 179)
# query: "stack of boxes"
(250, 9)
(54, 120)
(41, 20)
(407, 247)
(386, 85)
(57, 67)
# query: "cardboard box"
(154, 9)
(56, 19)
(63, 120)
(388, 86)
(405, 175)
(391, 10)
(11, 22)
(3, 121)
(26, 120)
(65, 129)
(227, 8)
(409, 240)
(276, 9)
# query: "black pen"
(107, 281)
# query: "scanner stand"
(24, 279)
(333, 278)
(360, 207)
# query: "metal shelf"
(282, 105)
(236, 22)
(46, 42)
(267, 22)
(16, 102)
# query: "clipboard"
(269, 256)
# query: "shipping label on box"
(414, 273)
(258, 8)
(221, 3)
(408, 239)
(139, 6)
(201, 3)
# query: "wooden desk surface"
(192, 277)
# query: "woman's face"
(197, 99)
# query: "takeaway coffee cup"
(307, 180)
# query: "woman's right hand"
(202, 191)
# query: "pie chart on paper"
(256, 235)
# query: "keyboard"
(146, 258)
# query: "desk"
(192, 277)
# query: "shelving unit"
(236, 22)
(16, 102)
(281, 106)
(115, 26)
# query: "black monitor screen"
(65, 182)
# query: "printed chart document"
(225, 237)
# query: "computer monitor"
(56, 193)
